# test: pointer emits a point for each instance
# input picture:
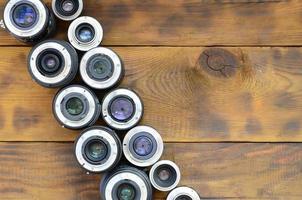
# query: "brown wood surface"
(193, 22)
(242, 171)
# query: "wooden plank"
(192, 22)
(190, 94)
(260, 171)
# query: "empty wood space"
(221, 80)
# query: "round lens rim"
(30, 24)
(183, 190)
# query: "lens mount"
(113, 149)
(90, 109)
(65, 60)
(125, 175)
(74, 29)
(41, 18)
(183, 191)
(67, 15)
(136, 111)
(152, 137)
(173, 175)
(109, 78)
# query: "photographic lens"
(98, 149)
(122, 109)
(126, 183)
(67, 9)
(24, 15)
(28, 20)
(164, 175)
(183, 193)
(143, 145)
(53, 63)
(76, 107)
(85, 33)
(101, 68)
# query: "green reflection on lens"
(97, 149)
(126, 192)
(74, 106)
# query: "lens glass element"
(68, 5)
(143, 145)
(74, 106)
(164, 174)
(24, 15)
(96, 150)
(126, 192)
(100, 67)
(122, 108)
(85, 33)
(183, 197)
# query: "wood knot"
(219, 62)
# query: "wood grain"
(262, 171)
(190, 94)
(192, 22)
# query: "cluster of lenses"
(55, 64)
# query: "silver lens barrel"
(164, 175)
(76, 107)
(127, 181)
(98, 149)
(143, 146)
(28, 20)
(101, 68)
(122, 109)
(183, 193)
(67, 10)
(85, 33)
(53, 63)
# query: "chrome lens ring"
(112, 141)
(37, 28)
(137, 113)
(117, 71)
(157, 145)
(69, 60)
(93, 108)
(97, 33)
(183, 191)
(67, 17)
(156, 166)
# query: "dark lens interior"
(50, 62)
(126, 192)
(143, 145)
(100, 67)
(165, 175)
(122, 108)
(74, 106)
(85, 33)
(184, 197)
(24, 15)
(96, 150)
(67, 7)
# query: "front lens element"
(126, 192)
(122, 109)
(143, 146)
(85, 33)
(100, 67)
(74, 106)
(67, 6)
(24, 15)
(183, 197)
(164, 174)
(96, 150)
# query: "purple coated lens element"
(121, 109)
(143, 146)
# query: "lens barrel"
(122, 109)
(53, 63)
(85, 33)
(29, 20)
(164, 175)
(143, 146)
(76, 107)
(183, 193)
(101, 68)
(126, 183)
(67, 10)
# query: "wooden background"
(221, 81)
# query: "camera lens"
(126, 183)
(101, 68)
(85, 33)
(122, 109)
(67, 9)
(164, 175)
(76, 107)
(53, 63)
(98, 149)
(28, 20)
(143, 146)
(183, 193)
